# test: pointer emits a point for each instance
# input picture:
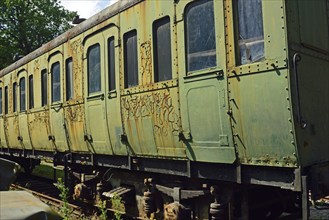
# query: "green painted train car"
(185, 108)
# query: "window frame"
(90, 93)
(55, 90)
(6, 101)
(135, 76)
(69, 79)
(22, 95)
(236, 33)
(44, 88)
(205, 69)
(31, 92)
(14, 95)
(111, 64)
(155, 25)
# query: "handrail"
(297, 58)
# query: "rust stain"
(36, 66)
(159, 106)
(77, 51)
(146, 59)
(74, 113)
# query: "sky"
(86, 8)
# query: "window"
(130, 59)
(55, 82)
(200, 35)
(31, 92)
(162, 50)
(6, 100)
(44, 87)
(111, 62)
(14, 97)
(22, 95)
(94, 69)
(250, 35)
(69, 79)
(0, 101)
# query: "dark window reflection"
(130, 59)
(69, 79)
(55, 82)
(44, 87)
(31, 92)
(162, 50)
(94, 69)
(111, 62)
(22, 95)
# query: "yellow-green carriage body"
(234, 91)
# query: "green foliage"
(65, 210)
(27, 24)
(117, 205)
(102, 208)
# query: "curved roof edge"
(103, 15)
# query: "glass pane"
(14, 97)
(44, 87)
(200, 35)
(250, 30)
(111, 61)
(69, 79)
(94, 69)
(130, 59)
(55, 82)
(6, 100)
(22, 97)
(0, 100)
(31, 94)
(162, 50)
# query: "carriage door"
(112, 90)
(95, 94)
(3, 142)
(203, 94)
(24, 136)
(56, 112)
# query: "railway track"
(47, 192)
(45, 189)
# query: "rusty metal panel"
(24, 137)
(3, 138)
(38, 117)
(56, 113)
(11, 119)
(206, 128)
(259, 97)
(261, 119)
(74, 115)
(152, 123)
(150, 110)
(40, 130)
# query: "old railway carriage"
(217, 104)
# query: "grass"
(47, 171)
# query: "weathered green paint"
(308, 35)
(226, 114)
